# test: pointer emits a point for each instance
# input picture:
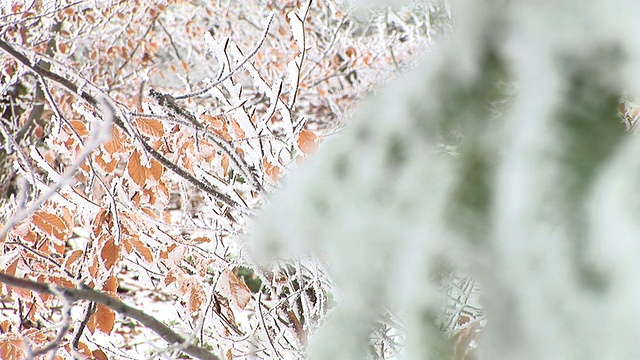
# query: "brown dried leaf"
(271, 170)
(107, 166)
(151, 127)
(110, 254)
(75, 255)
(156, 169)
(237, 129)
(196, 297)
(11, 349)
(350, 52)
(307, 142)
(137, 172)
(238, 290)
(99, 354)
(111, 286)
(103, 319)
(117, 142)
(225, 164)
(170, 278)
(51, 224)
(79, 127)
(142, 249)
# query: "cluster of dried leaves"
(138, 140)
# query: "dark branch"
(118, 306)
(119, 122)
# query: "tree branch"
(121, 124)
(118, 306)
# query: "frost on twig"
(157, 213)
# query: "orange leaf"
(156, 169)
(5, 326)
(151, 127)
(51, 224)
(11, 269)
(271, 170)
(82, 348)
(237, 129)
(75, 255)
(142, 249)
(103, 319)
(110, 253)
(225, 164)
(196, 297)
(137, 172)
(169, 278)
(99, 354)
(79, 127)
(238, 290)
(307, 142)
(111, 286)
(350, 52)
(164, 254)
(12, 349)
(202, 239)
(64, 48)
(116, 143)
(107, 166)
(150, 212)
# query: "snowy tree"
(141, 138)
(502, 160)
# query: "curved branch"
(121, 124)
(116, 305)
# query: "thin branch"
(98, 136)
(118, 120)
(89, 310)
(264, 325)
(118, 306)
(179, 115)
(233, 71)
(64, 329)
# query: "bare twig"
(85, 293)
(64, 328)
(98, 136)
(88, 311)
(233, 71)
(119, 121)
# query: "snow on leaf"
(142, 249)
(50, 224)
(237, 290)
(103, 319)
(110, 253)
(107, 166)
(151, 127)
(196, 297)
(307, 142)
(137, 172)
(75, 255)
(117, 142)
(237, 129)
(274, 172)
